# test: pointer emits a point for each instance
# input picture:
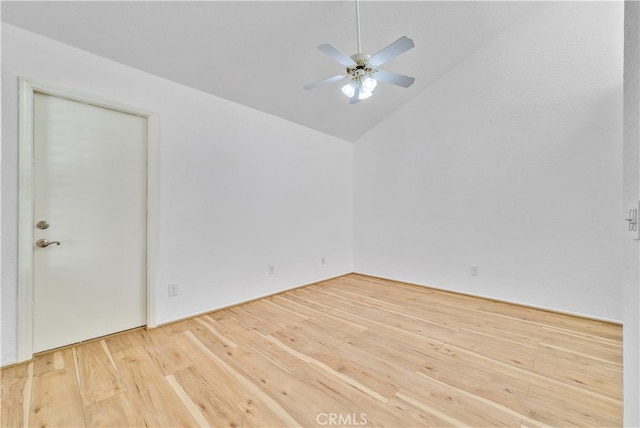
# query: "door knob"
(43, 243)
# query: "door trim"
(26, 195)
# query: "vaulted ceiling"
(261, 53)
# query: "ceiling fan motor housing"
(361, 68)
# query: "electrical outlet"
(173, 290)
(475, 270)
(272, 270)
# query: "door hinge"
(632, 221)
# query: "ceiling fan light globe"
(369, 84)
(349, 89)
(364, 94)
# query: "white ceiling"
(262, 53)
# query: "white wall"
(631, 170)
(238, 189)
(510, 162)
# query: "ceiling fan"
(362, 69)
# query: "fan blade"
(401, 45)
(394, 78)
(355, 99)
(336, 54)
(325, 81)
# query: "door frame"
(26, 195)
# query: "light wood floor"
(353, 351)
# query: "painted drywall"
(237, 189)
(631, 174)
(511, 162)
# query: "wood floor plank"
(477, 377)
(486, 307)
(602, 384)
(117, 411)
(480, 396)
(493, 347)
(222, 400)
(220, 381)
(407, 355)
(356, 406)
(48, 362)
(368, 317)
(239, 374)
(298, 398)
(462, 356)
(382, 376)
(148, 391)
(417, 321)
(265, 317)
(99, 379)
(353, 405)
(556, 407)
(468, 410)
(351, 351)
(206, 408)
(304, 337)
(15, 395)
(181, 326)
(323, 320)
(323, 311)
(120, 342)
(55, 397)
(163, 350)
(574, 361)
(593, 349)
(211, 325)
(258, 413)
(421, 413)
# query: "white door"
(90, 189)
